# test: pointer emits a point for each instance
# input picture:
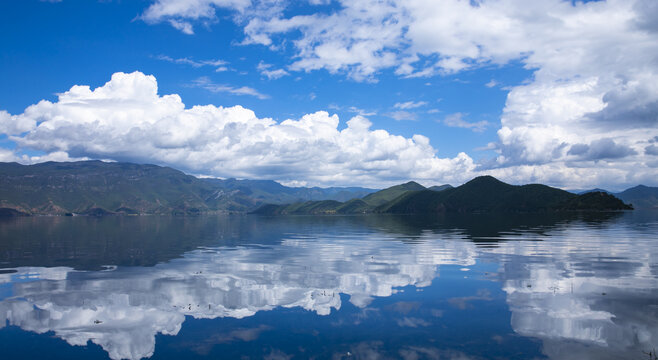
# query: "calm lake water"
(443, 287)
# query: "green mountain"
(642, 197)
(383, 196)
(100, 188)
(97, 188)
(354, 206)
(482, 194)
(487, 194)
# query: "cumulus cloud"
(651, 150)
(126, 119)
(601, 149)
(11, 124)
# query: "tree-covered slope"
(101, 188)
(353, 206)
(388, 194)
(487, 194)
(97, 187)
(597, 200)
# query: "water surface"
(572, 286)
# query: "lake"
(569, 286)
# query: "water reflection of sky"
(400, 287)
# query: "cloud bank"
(126, 119)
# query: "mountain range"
(482, 194)
(98, 188)
(103, 188)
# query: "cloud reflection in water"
(589, 287)
(122, 310)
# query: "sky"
(338, 93)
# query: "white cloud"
(13, 125)
(205, 83)
(409, 105)
(356, 110)
(184, 26)
(9, 155)
(127, 120)
(359, 40)
(403, 115)
(180, 13)
(491, 83)
(216, 63)
(457, 120)
(272, 74)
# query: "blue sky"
(559, 92)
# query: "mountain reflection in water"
(585, 286)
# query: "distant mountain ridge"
(272, 191)
(440, 187)
(641, 196)
(482, 194)
(99, 188)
